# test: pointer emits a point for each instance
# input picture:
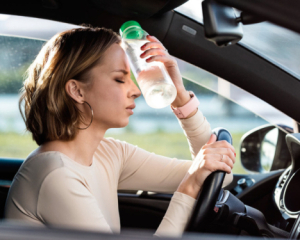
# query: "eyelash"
(119, 81)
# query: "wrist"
(181, 99)
(189, 189)
(185, 106)
(192, 113)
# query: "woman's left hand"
(158, 52)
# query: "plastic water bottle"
(153, 79)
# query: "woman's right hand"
(213, 156)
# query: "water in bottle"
(154, 81)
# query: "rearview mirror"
(220, 24)
(264, 149)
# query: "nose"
(134, 91)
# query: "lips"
(132, 106)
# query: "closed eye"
(119, 81)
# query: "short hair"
(49, 112)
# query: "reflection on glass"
(268, 149)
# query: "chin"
(116, 122)
(122, 124)
(125, 124)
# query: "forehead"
(115, 58)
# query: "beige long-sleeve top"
(52, 189)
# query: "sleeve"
(142, 170)
(177, 216)
(197, 131)
(64, 200)
(147, 171)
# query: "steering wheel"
(204, 207)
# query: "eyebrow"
(121, 70)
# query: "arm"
(177, 216)
(197, 134)
(64, 200)
(142, 170)
(148, 171)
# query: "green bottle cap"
(137, 34)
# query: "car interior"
(264, 204)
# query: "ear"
(74, 90)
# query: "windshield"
(276, 44)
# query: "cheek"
(107, 100)
(111, 96)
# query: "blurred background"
(156, 130)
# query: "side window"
(226, 105)
(19, 45)
(16, 56)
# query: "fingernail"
(235, 154)
(148, 59)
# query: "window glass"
(19, 46)
(276, 44)
(226, 105)
(16, 56)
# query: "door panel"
(142, 211)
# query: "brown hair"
(50, 113)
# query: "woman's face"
(112, 91)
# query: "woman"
(77, 88)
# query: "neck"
(82, 148)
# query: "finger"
(213, 166)
(152, 38)
(221, 144)
(219, 158)
(212, 139)
(223, 167)
(162, 58)
(227, 160)
(152, 45)
(153, 51)
(223, 151)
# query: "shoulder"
(112, 142)
(45, 158)
(116, 145)
(30, 178)
(115, 151)
(59, 176)
(40, 165)
(37, 168)
(61, 179)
